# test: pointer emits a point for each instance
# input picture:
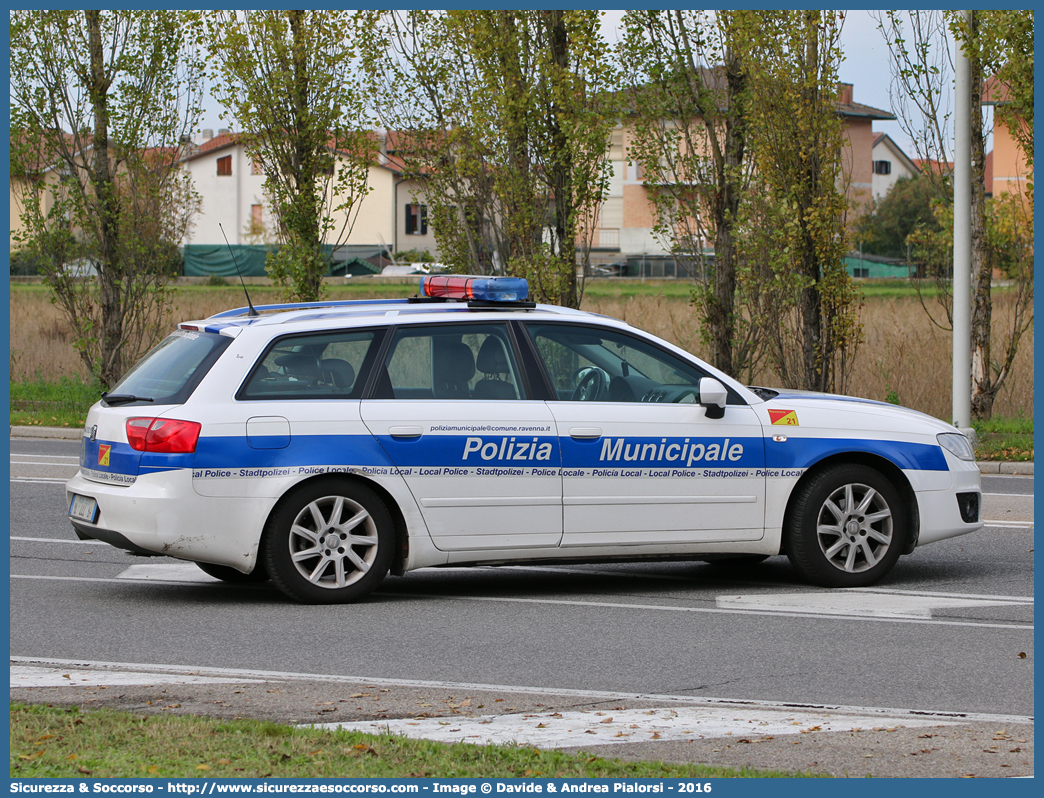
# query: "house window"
(882, 167)
(255, 215)
(416, 219)
(225, 166)
(255, 168)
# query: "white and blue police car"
(322, 445)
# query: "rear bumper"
(161, 514)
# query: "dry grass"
(902, 352)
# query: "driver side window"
(595, 364)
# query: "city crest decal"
(785, 418)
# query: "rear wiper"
(115, 399)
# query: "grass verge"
(1008, 439)
(53, 742)
(53, 404)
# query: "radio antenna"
(250, 304)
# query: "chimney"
(223, 131)
(844, 93)
(382, 141)
(185, 145)
(208, 134)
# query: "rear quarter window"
(170, 372)
(318, 366)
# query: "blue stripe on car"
(540, 450)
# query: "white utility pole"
(962, 241)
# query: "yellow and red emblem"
(786, 418)
(103, 455)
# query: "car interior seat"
(337, 372)
(453, 366)
(492, 362)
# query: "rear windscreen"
(171, 371)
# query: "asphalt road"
(950, 633)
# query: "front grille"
(969, 506)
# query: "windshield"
(172, 370)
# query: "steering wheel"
(591, 384)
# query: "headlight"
(956, 444)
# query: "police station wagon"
(322, 445)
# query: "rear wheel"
(232, 576)
(846, 528)
(329, 542)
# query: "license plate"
(83, 508)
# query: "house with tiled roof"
(890, 164)
(231, 189)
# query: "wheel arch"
(885, 467)
(402, 538)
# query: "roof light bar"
(481, 289)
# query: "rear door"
(481, 459)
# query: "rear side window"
(467, 361)
(169, 373)
(324, 366)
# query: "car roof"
(386, 310)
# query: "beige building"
(1010, 172)
(626, 220)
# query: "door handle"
(405, 432)
(585, 433)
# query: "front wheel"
(329, 542)
(846, 528)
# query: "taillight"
(167, 435)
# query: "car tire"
(329, 542)
(846, 527)
(232, 576)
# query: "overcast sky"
(865, 67)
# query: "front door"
(641, 462)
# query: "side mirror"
(713, 397)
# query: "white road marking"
(571, 729)
(61, 540)
(722, 704)
(34, 676)
(854, 603)
(899, 592)
(1009, 524)
(187, 573)
(166, 572)
(64, 458)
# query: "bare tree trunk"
(722, 315)
(111, 367)
(984, 390)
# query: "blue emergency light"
(479, 289)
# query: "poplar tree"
(505, 116)
(288, 80)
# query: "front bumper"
(940, 510)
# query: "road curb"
(985, 467)
(997, 467)
(46, 432)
